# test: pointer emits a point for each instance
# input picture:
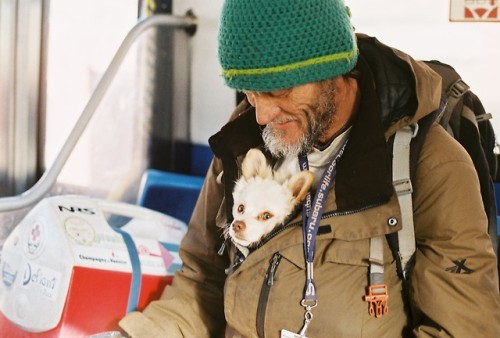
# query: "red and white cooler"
(68, 272)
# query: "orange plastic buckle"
(377, 300)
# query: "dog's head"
(263, 200)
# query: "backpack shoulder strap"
(401, 180)
(406, 147)
(402, 243)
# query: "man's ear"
(250, 98)
(300, 184)
(255, 164)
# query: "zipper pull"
(225, 243)
(275, 261)
(237, 261)
(222, 248)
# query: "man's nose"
(266, 110)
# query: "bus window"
(83, 37)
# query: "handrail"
(49, 177)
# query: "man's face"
(295, 119)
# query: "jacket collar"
(364, 173)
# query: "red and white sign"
(474, 10)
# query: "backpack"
(463, 116)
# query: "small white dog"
(263, 199)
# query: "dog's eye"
(241, 208)
(266, 215)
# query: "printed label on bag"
(42, 279)
(35, 238)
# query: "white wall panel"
(212, 102)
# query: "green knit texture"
(267, 45)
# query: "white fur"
(263, 200)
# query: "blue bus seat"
(201, 157)
(497, 200)
(171, 193)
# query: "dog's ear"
(300, 183)
(255, 164)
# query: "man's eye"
(279, 93)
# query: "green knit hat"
(267, 45)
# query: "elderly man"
(318, 96)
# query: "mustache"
(283, 120)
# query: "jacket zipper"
(350, 212)
(265, 292)
(330, 214)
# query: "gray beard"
(323, 114)
(278, 148)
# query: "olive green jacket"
(453, 287)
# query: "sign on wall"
(474, 10)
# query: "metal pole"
(45, 183)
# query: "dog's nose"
(238, 226)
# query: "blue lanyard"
(311, 216)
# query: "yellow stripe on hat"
(277, 69)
